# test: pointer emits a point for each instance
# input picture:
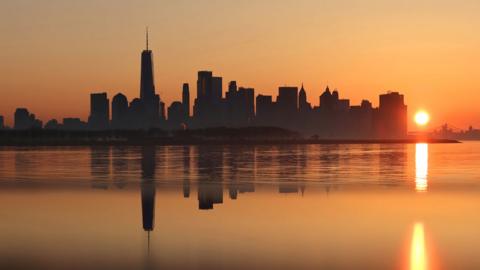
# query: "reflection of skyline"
(219, 172)
(421, 167)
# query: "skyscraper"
(186, 101)
(149, 99)
(204, 86)
(147, 86)
(2, 122)
(99, 111)
(208, 109)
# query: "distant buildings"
(74, 124)
(2, 122)
(23, 119)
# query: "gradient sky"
(54, 53)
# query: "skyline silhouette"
(238, 107)
(333, 118)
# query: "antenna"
(147, 37)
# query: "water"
(241, 207)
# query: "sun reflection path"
(421, 167)
(418, 254)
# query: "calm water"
(241, 207)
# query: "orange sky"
(54, 53)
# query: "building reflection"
(393, 163)
(119, 166)
(186, 171)
(240, 170)
(148, 188)
(100, 166)
(232, 170)
(418, 251)
(148, 193)
(210, 169)
(421, 167)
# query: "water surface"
(241, 207)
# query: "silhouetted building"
(74, 124)
(391, 117)
(99, 111)
(303, 105)
(52, 125)
(150, 100)
(186, 101)
(120, 111)
(286, 107)
(329, 101)
(287, 101)
(25, 120)
(2, 122)
(217, 89)
(208, 108)
(361, 120)
(176, 115)
(265, 110)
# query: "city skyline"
(428, 60)
(240, 107)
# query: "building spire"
(147, 37)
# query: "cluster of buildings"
(334, 117)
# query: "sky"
(54, 53)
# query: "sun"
(422, 118)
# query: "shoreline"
(216, 142)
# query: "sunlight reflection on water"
(421, 167)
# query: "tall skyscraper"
(147, 86)
(186, 100)
(150, 100)
(99, 111)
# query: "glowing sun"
(422, 118)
